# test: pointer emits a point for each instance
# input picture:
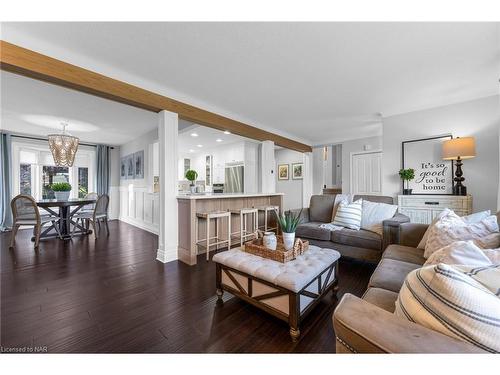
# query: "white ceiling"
(33, 107)
(316, 81)
(205, 137)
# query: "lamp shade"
(465, 148)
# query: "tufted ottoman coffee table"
(288, 291)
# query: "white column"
(168, 127)
(307, 178)
(268, 166)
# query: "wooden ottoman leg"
(294, 316)
(218, 282)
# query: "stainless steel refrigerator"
(234, 178)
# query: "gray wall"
(356, 145)
(479, 118)
(291, 188)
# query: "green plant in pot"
(407, 175)
(191, 176)
(288, 223)
(61, 190)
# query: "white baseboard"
(139, 224)
(167, 256)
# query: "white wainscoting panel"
(114, 202)
(140, 208)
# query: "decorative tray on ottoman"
(256, 247)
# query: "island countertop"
(225, 195)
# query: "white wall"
(479, 118)
(356, 145)
(291, 188)
(139, 206)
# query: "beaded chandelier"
(63, 147)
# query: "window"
(50, 175)
(83, 182)
(34, 170)
(25, 179)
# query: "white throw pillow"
(374, 214)
(460, 252)
(456, 301)
(349, 214)
(493, 255)
(472, 218)
(452, 228)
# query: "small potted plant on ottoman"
(192, 175)
(407, 175)
(61, 190)
(288, 223)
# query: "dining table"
(64, 209)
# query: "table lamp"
(459, 149)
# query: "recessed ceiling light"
(191, 150)
(199, 145)
(227, 132)
(218, 140)
(194, 134)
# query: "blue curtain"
(5, 181)
(103, 169)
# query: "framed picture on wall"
(433, 175)
(297, 170)
(139, 164)
(123, 168)
(129, 160)
(283, 172)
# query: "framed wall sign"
(433, 175)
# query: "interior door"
(366, 173)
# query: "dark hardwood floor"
(111, 295)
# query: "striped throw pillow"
(458, 301)
(349, 214)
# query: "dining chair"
(98, 215)
(89, 207)
(26, 212)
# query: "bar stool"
(217, 215)
(267, 209)
(244, 234)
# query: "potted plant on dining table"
(61, 190)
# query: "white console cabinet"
(423, 208)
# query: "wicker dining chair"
(89, 207)
(98, 215)
(26, 212)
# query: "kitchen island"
(191, 204)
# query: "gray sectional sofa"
(359, 244)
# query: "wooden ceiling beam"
(32, 64)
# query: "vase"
(62, 195)
(193, 189)
(407, 191)
(288, 240)
(270, 240)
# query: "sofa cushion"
(405, 254)
(321, 208)
(375, 198)
(313, 230)
(357, 238)
(390, 274)
(383, 298)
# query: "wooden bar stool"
(208, 216)
(267, 210)
(244, 233)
